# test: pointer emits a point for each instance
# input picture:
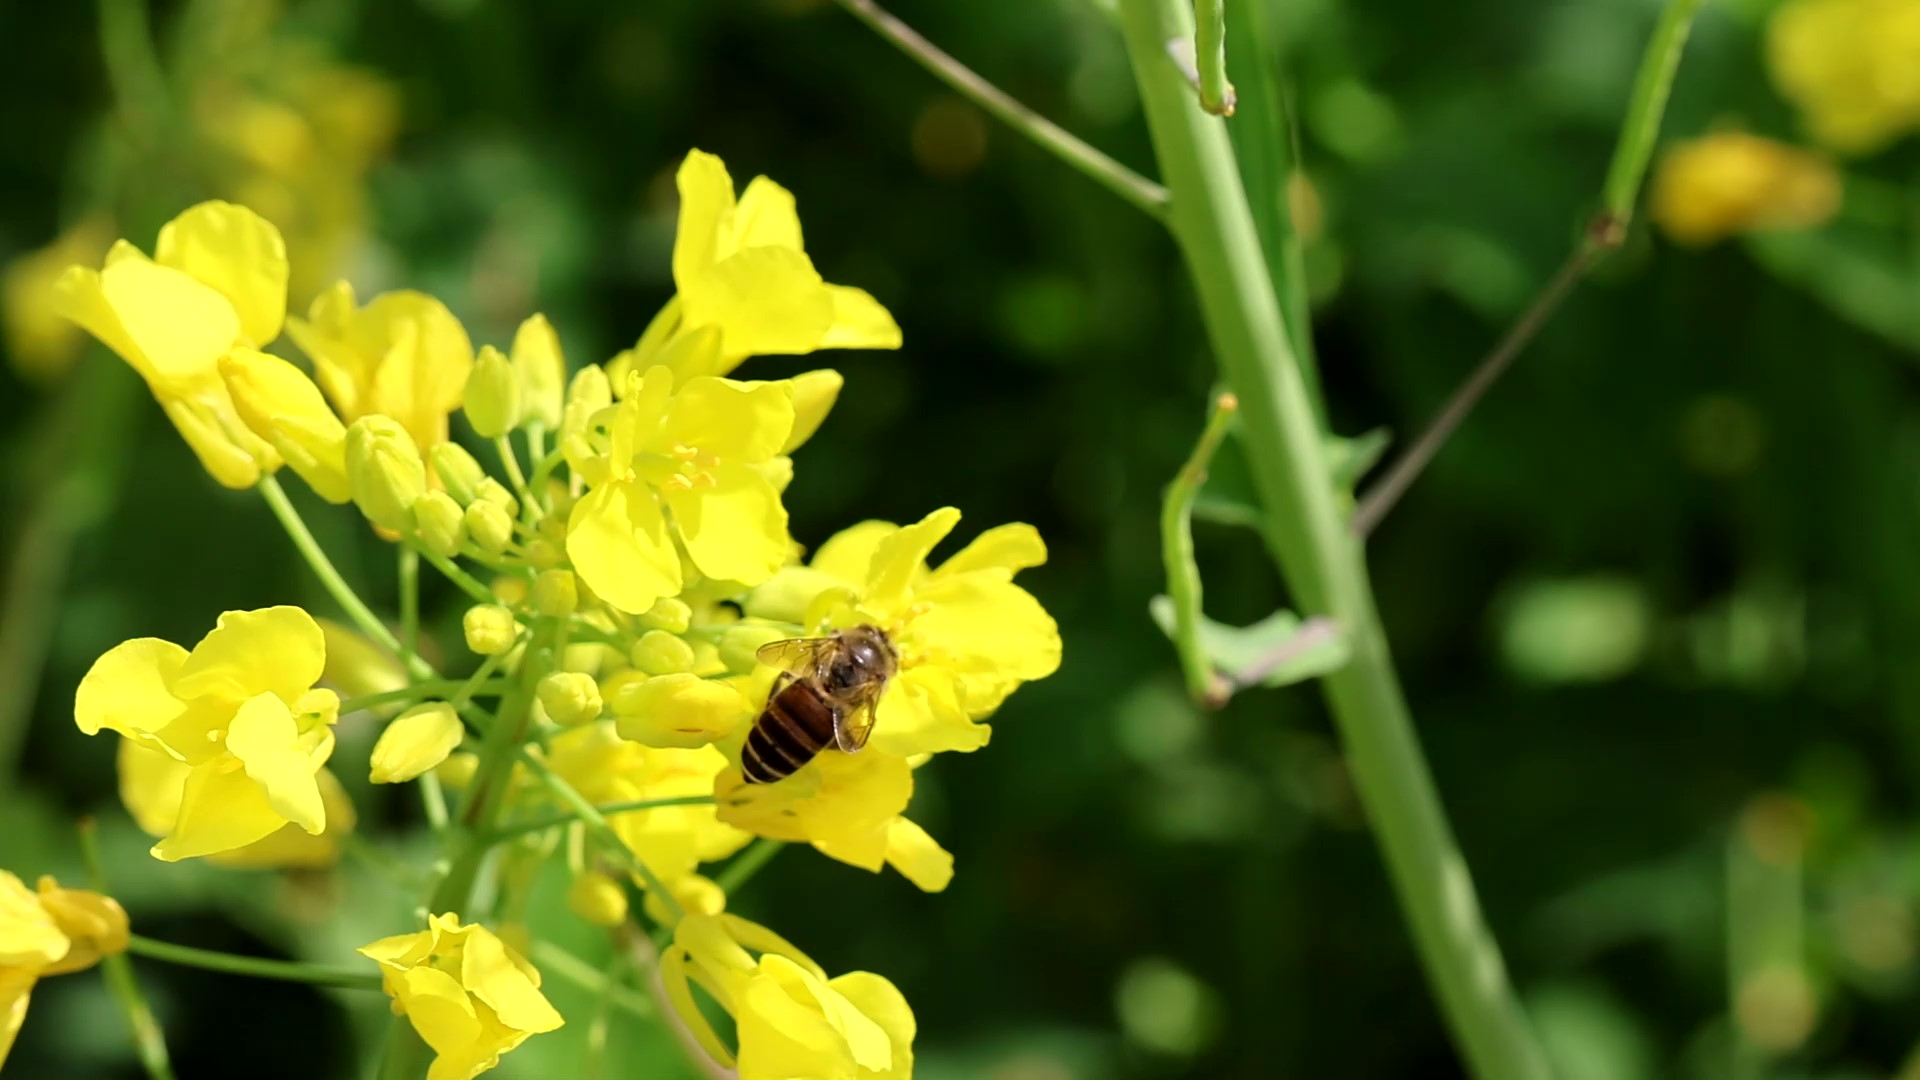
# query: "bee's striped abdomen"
(796, 725)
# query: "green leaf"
(1228, 496)
(1237, 649)
(1351, 459)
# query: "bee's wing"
(800, 655)
(853, 724)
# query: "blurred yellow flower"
(470, 996)
(696, 450)
(403, 356)
(790, 1020)
(239, 711)
(41, 344)
(1851, 66)
(1726, 183)
(218, 279)
(49, 931)
(742, 272)
(672, 840)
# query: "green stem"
(747, 864)
(1176, 547)
(425, 690)
(149, 1042)
(1644, 111)
(336, 586)
(1103, 170)
(410, 598)
(1321, 562)
(381, 863)
(553, 960)
(598, 825)
(257, 967)
(515, 829)
(510, 461)
(1210, 54)
(544, 465)
(468, 584)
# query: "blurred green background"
(1657, 607)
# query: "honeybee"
(825, 696)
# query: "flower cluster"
(1849, 65)
(627, 568)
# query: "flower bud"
(669, 613)
(740, 645)
(510, 589)
(493, 395)
(281, 405)
(490, 629)
(493, 491)
(660, 653)
(697, 896)
(457, 771)
(417, 740)
(544, 554)
(440, 523)
(555, 593)
(598, 899)
(458, 472)
(94, 925)
(681, 711)
(542, 369)
(488, 526)
(786, 596)
(590, 389)
(384, 472)
(814, 393)
(617, 690)
(569, 697)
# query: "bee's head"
(865, 655)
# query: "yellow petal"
(900, 560)
(29, 936)
(400, 950)
(918, 857)
(766, 217)
(784, 1032)
(681, 710)
(128, 689)
(418, 740)
(438, 1008)
(221, 808)
(735, 530)
(1011, 548)
(859, 322)
(880, 1000)
(280, 404)
(236, 252)
(79, 298)
(814, 393)
(617, 539)
(848, 555)
(290, 846)
(95, 924)
(764, 300)
(840, 803)
(786, 596)
(343, 367)
(542, 369)
(706, 200)
(179, 327)
(16, 986)
(734, 421)
(211, 426)
(490, 974)
(921, 713)
(266, 740)
(992, 634)
(151, 784)
(277, 650)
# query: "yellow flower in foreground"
(281, 405)
(469, 996)
(404, 355)
(50, 931)
(40, 343)
(152, 784)
(1852, 67)
(790, 1019)
(741, 270)
(239, 712)
(218, 279)
(672, 840)
(848, 806)
(1716, 186)
(699, 450)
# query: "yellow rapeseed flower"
(1716, 186)
(403, 356)
(672, 840)
(850, 807)
(41, 345)
(698, 449)
(218, 279)
(470, 996)
(152, 784)
(49, 931)
(239, 711)
(790, 1019)
(1851, 66)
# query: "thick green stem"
(1321, 561)
(1176, 548)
